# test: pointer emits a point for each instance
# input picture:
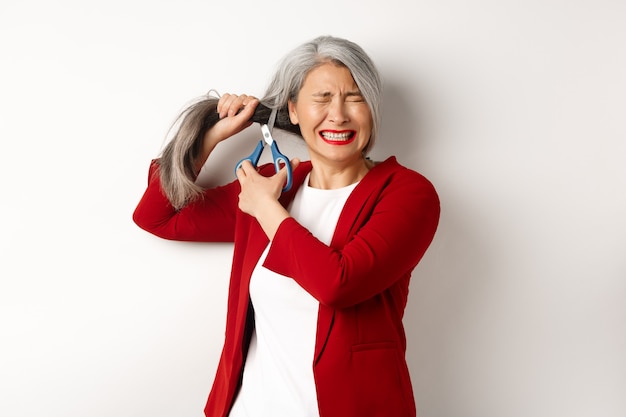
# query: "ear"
(293, 116)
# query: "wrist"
(271, 217)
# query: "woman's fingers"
(230, 105)
(248, 171)
(235, 113)
(294, 163)
(245, 165)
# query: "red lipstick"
(338, 137)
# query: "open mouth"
(335, 137)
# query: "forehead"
(329, 77)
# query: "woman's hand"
(259, 196)
(235, 112)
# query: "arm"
(392, 233)
(209, 216)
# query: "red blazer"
(361, 281)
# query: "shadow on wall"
(444, 289)
(402, 129)
(450, 277)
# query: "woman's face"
(334, 118)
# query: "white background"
(513, 109)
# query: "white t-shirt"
(278, 374)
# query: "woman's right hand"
(235, 112)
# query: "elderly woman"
(320, 273)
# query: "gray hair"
(177, 161)
(296, 65)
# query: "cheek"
(364, 122)
(364, 119)
(309, 119)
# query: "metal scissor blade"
(267, 135)
(272, 119)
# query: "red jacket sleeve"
(389, 233)
(210, 218)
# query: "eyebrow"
(328, 93)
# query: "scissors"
(276, 154)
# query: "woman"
(320, 273)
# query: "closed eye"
(354, 97)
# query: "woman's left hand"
(259, 195)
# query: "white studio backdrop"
(514, 110)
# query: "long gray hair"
(177, 161)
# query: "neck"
(330, 177)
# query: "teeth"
(337, 136)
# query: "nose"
(337, 112)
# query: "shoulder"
(393, 176)
(396, 190)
